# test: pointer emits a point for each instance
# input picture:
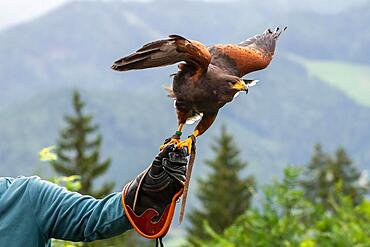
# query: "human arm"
(66, 215)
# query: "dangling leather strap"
(158, 242)
(187, 180)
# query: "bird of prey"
(208, 77)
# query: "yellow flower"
(46, 154)
(307, 243)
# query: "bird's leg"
(175, 139)
(181, 125)
(182, 116)
(202, 126)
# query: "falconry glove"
(149, 200)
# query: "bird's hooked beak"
(249, 84)
(240, 86)
(244, 85)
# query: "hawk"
(208, 77)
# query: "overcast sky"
(15, 11)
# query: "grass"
(353, 79)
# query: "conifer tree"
(223, 194)
(79, 150)
(325, 175)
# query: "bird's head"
(237, 84)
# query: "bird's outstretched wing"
(253, 54)
(165, 52)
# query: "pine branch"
(94, 143)
(101, 169)
(63, 170)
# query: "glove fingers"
(166, 150)
(172, 161)
(171, 152)
(164, 153)
(178, 157)
(176, 171)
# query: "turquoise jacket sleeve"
(71, 216)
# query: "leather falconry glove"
(150, 199)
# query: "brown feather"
(251, 55)
(165, 52)
(244, 59)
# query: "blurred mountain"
(318, 6)
(275, 124)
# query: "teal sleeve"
(71, 216)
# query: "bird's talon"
(169, 142)
(188, 144)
